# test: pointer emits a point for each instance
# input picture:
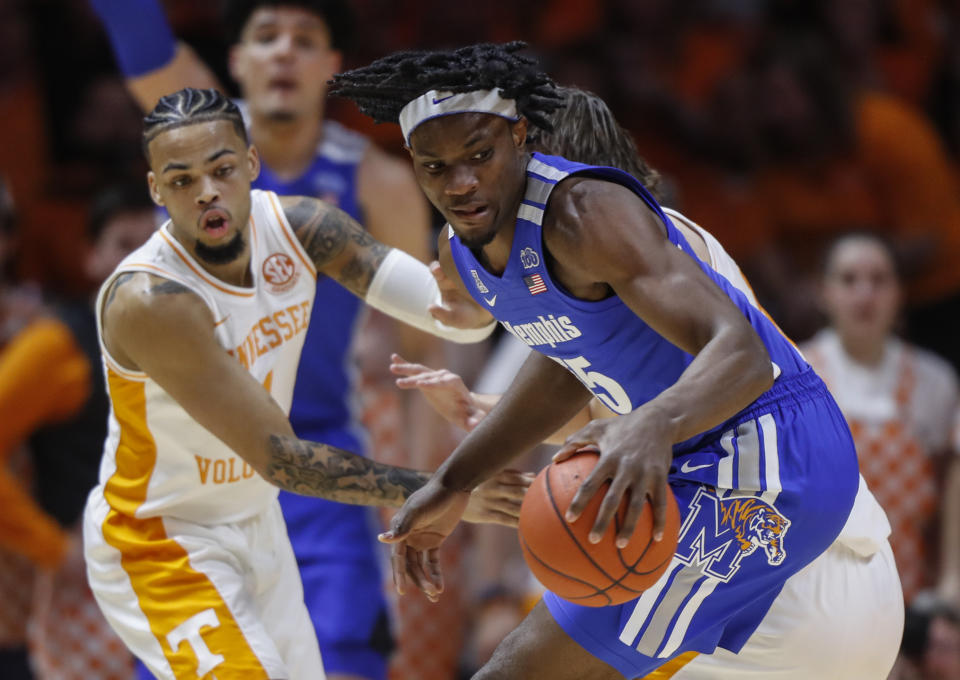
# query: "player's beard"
(478, 241)
(224, 254)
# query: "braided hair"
(383, 88)
(187, 107)
(585, 130)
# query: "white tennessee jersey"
(157, 459)
(720, 260)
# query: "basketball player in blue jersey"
(582, 264)
(283, 54)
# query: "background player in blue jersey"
(582, 264)
(283, 54)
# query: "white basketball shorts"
(191, 599)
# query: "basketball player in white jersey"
(201, 330)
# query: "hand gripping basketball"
(564, 560)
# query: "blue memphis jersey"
(322, 397)
(623, 361)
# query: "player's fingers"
(588, 489)
(658, 502)
(408, 368)
(433, 567)
(608, 508)
(573, 447)
(400, 525)
(398, 566)
(506, 519)
(635, 505)
(438, 274)
(443, 314)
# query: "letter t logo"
(189, 630)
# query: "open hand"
(444, 390)
(416, 532)
(456, 308)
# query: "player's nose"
(462, 181)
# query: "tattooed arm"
(386, 278)
(162, 328)
(337, 244)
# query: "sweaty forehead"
(455, 132)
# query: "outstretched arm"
(160, 327)
(447, 394)
(386, 278)
(154, 63)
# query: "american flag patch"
(535, 284)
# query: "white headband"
(437, 103)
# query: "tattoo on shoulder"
(314, 469)
(117, 283)
(326, 232)
(322, 231)
(168, 287)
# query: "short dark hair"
(877, 238)
(585, 130)
(114, 200)
(336, 14)
(187, 107)
(384, 87)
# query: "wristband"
(404, 288)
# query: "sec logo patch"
(279, 272)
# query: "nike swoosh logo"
(443, 99)
(686, 467)
(491, 301)
(221, 321)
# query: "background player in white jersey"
(282, 52)
(201, 330)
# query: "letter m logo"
(705, 541)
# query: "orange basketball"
(565, 562)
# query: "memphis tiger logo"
(719, 533)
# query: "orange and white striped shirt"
(157, 459)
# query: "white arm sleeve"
(404, 288)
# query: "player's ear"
(253, 162)
(519, 132)
(152, 184)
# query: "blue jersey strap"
(139, 32)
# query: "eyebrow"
(184, 166)
(477, 136)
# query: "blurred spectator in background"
(52, 395)
(837, 157)
(901, 403)
(931, 641)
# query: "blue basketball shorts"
(758, 502)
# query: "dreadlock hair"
(585, 130)
(383, 88)
(336, 14)
(188, 107)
